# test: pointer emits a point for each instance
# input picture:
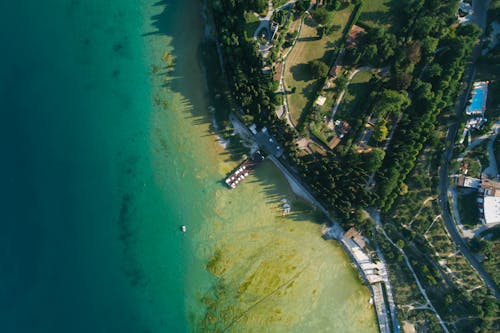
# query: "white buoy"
(183, 228)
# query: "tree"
(389, 102)
(332, 28)
(380, 132)
(257, 5)
(318, 68)
(374, 159)
(301, 5)
(321, 16)
(341, 82)
(403, 189)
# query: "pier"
(243, 170)
(373, 274)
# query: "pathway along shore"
(385, 311)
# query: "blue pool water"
(478, 100)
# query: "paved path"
(451, 227)
(265, 22)
(376, 218)
(480, 12)
(286, 108)
(430, 198)
(390, 297)
(342, 93)
(492, 169)
(298, 188)
(337, 232)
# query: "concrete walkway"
(265, 21)
(341, 96)
(492, 169)
(376, 218)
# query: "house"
(320, 100)
(490, 187)
(333, 142)
(354, 34)
(464, 181)
(355, 236)
(342, 127)
(491, 209)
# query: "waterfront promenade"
(373, 274)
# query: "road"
(480, 19)
(266, 20)
(448, 220)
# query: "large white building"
(488, 199)
(491, 209)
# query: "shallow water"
(109, 153)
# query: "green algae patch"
(274, 273)
(218, 264)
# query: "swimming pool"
(478, 100)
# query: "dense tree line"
(432, 92)
(253, 91)
(337, 179)
(427, 64)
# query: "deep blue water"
(74, 138)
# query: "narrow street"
(449, 223)
(480, 10)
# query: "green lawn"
(310, 47)
(467, 207)
(251, 24)
(376, 12)
(351, 107)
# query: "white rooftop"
(492, 209)
(472, 182)
(321, 100)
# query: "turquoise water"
(478, 100)
(82, 212)
(105, 153)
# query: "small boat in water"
(183, 228)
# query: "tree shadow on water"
(183, 52)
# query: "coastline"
(282, 186)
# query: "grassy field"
(357, 93)
(467, 207)
(251, 24)
(310, 47)
(376, 12)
